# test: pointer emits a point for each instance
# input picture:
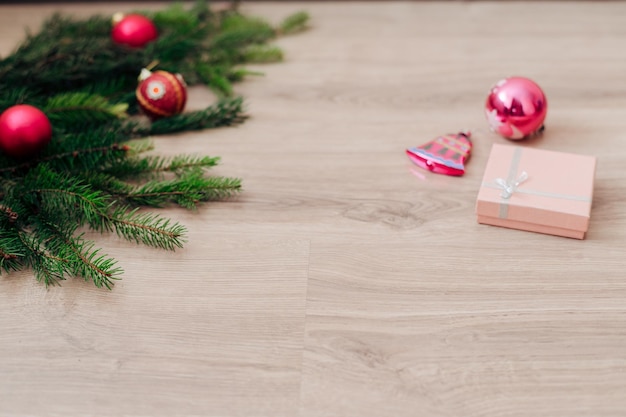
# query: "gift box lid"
(537, 186)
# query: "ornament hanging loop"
(152, 65)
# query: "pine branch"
(215, 78)
(68, 160)
(297, 22)
(10, 251)
(68, 198)
(238, 31)
(183, 163)
(148, 228)
(226, 113)
(113, 88)
(152, 167)
(47, 268)
(92, 208)
(80, 257)
(187, 191)
(77, 110)
(175, 18)
(79, 204)
(262, 54)
(238, 74)
(107, 183)
(15, 95)
(94, 172)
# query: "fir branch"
(139, 146)
(78, 204)
(215, 78)
(47, 268)
(186, 191)
(80, 257)
(262, 54)
(107, 183)
(93, 172)
(218, 188)
(238, 31)
(108, 134)
(238, 74)
(153, 167)
(67, 159)
(78, 109)
(59, 27)
(142, 228)
(69, 198)
(136, 168)
(147, 228)
(79, 53)
(113, 88)
(297, 22)
(183, 163)
(10, 251)
(176, 18)
(15, 95)
(51, 65)
(225, 113)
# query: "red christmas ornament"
(133, 30)
(445, 154)
(516, 108)
(161, 94)
(24, 131)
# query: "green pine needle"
(297, 22)
(263, 54)
(11, 251)
(226, 113)
(48, 268)
(215, 78)
(186, 191)
(68, 110)
(147, 228)
(12, 96)
(78, 255)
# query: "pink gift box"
(537, 190)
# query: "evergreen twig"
(95, 172)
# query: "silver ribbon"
(509, 187)
(511, 184)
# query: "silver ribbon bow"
(508, 188)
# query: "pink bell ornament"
(516, 108)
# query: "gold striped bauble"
(161, 94)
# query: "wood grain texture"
(344, 281)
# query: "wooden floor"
(344, 281)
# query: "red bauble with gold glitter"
(24, 131)
(133, 30)
(161, 94)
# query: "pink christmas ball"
(24, 131)
(133, 30)
(516, 108)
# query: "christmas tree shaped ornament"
(516, 108)
(24, 131)
(133, 30)
(445, 154)
(161, 94)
